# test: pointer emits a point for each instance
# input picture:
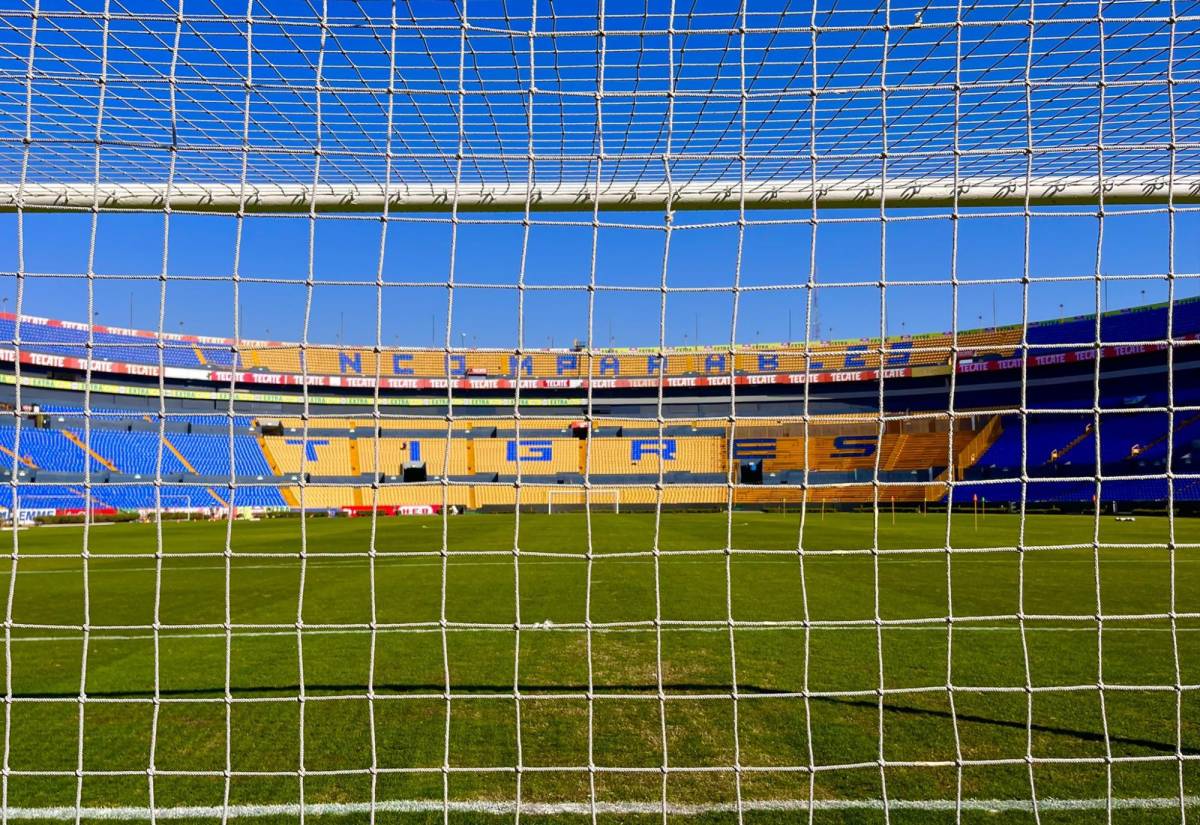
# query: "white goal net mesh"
(564, 235)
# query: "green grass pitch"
(806, 695)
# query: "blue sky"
(129, 255)
(930, 131)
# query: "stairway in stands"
(967, 457)
(1151, 445)
(1061, 453)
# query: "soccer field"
(480, 660)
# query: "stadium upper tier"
(42, 341)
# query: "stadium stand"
(1139, 324)
(53, 450)
(906, 351)
(126, 496)
(1131, 443)
(1044, 442)
(134, 453)
(333, 459)
(913, 467)
(220, 422)
(46, 497)
(693, 460)
(326, 457)
(130, 346)
(209, 454)
(1122, 326)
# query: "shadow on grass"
(432, 690)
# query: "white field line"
(364, 564)
(508, 808)
(99, 636)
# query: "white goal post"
(600, 498)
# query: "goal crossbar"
(584, 196)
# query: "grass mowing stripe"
(509, 807)
(462, 561)
(100, 636)
(265, 747)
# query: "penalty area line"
(509, 807)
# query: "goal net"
(878, 313)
